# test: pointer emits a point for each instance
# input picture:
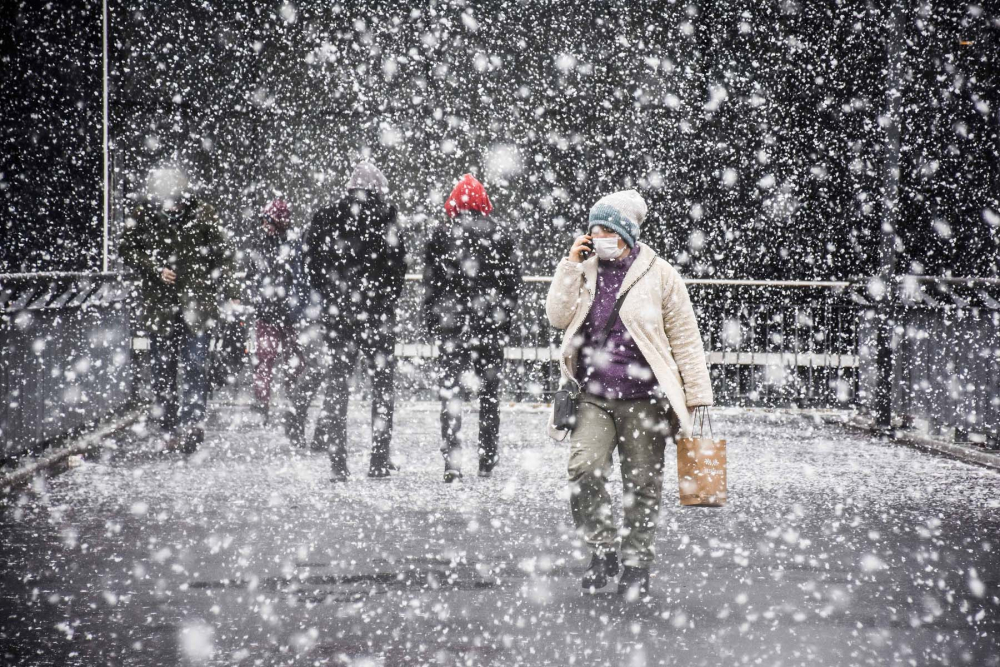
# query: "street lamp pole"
(104, 141)
(887, 307)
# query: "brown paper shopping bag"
(701, 468)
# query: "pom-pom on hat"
(279, 214)
(468, 195)
(622, 212)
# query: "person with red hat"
(472, 272)
(274, 261)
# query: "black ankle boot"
(191, 439)
(487, 462)
(634, 583)
(338, 465)
(263, 412)
(602, 568)
(380, 467)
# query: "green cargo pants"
(640, 429)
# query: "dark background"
(763, 135)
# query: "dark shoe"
(166, 426)
(160, 418)
(295, 428)
(338, 463)
(634, 583)
(380, 468)
(487, 462)
(601, 569)
(191, 439)
(452, 471)
(262, 410)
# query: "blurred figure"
(354, 262)
(471, 277)
(178, 249)
(632, 351)
(274, 263)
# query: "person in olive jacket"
(184, 260)
(472, 272)
(354, 263)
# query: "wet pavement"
(835, 549)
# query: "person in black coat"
(354, 263)
(471, 278)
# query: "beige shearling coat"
(658, 315)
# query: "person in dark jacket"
(183, 257)
(274, 265)
(471, 276)
(354, 262)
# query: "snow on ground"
(835, 549)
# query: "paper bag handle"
(701, 414)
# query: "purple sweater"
(619, 370)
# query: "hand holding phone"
(583, 247)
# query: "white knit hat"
(167, 183)
(623, 212)
(369, 177)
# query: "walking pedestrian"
(275, 271)
(354, 262)
(183, 258)
(632, 351)
(471, 277)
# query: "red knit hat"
(279, 214)
(468, 195)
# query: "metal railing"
(56, 289)
(65, 358)
(771, 344)
(775, 344)
(778, 344)
(945, 363)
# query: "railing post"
(884, 365)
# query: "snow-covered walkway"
(835, 549)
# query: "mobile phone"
(589, 245)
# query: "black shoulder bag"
(564, 401)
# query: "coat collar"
(642, 262)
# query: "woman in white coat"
(639, 381)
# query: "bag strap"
(602, 338)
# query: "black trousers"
(342, 353)
(486, 363)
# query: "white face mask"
(607, 247)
